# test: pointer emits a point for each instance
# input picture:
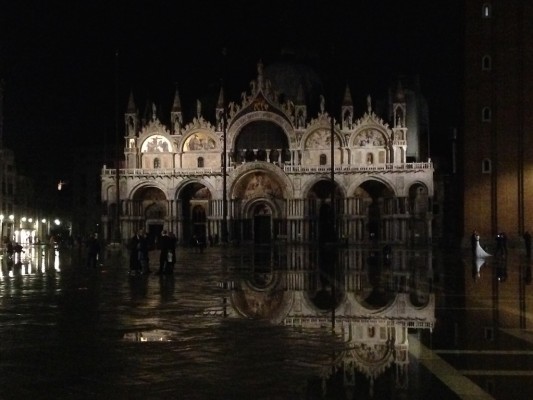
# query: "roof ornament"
(154, 112)
(198, 108)
(322, 104)
(260, 68)
(369, 104)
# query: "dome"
(287, 77)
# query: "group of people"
(11, 248)
(139, 253)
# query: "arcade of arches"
(274, 182)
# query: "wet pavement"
(275, 322)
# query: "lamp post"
(11, 224)
(2, 227)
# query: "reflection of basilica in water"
(279, 181)
(369, 299)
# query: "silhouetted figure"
(527, 243)
(93, 250)
(138, 249)
(171, 260)
(473, 242)
(164, 247)
(499, 244)
(17, 248)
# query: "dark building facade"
(498, 138)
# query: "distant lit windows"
(157, 163)
(323, 159)
(486, 63)
(200, 162)
(486, 10)
(486, 166)
(486, 114)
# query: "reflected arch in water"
(262, 297)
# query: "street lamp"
(2, 227)
(11, 222)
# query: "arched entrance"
(419, 206)
(323, 212)
(149, 209)
(194, 203)
(260, 195)
(374, 196)
(262, 220)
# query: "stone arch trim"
(181, 185)
(208, 132)
(307, 186)
(248, 206)
(145, 185)
(248, 168)
(318, 128)
(388, 183)
(375, 127)
(263, 116)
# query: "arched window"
(157, 163)
(486, 166)
(370, 158)
(486, 114)
(200, 162)
(486, 10)
(486, 63)
(323, 159)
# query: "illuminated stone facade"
(278, 174)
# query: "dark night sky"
(59, 66)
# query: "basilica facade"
(263, 169)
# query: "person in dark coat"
(138, 248)
(172, 257)
(473, 242)
(527, 242)
(93, 250)
(164, 248)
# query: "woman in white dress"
(480, 253)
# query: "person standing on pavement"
(93, 251)
(172, 253)
(138, 249)
(527, 242)
(164, 249)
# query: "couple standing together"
(139, 258)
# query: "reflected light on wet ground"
(267, 323)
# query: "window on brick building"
(486, 114)
(486, 10)
(486, 63)
(200, 162)
(486, 166)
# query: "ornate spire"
(369, 104)
(175, 114)
(400, 94)
(347, 100)
(198, 108)
(176, 105)
(300, 97)
(220, 102)
(131, 104)
(260, 75)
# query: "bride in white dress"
(480, 253)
